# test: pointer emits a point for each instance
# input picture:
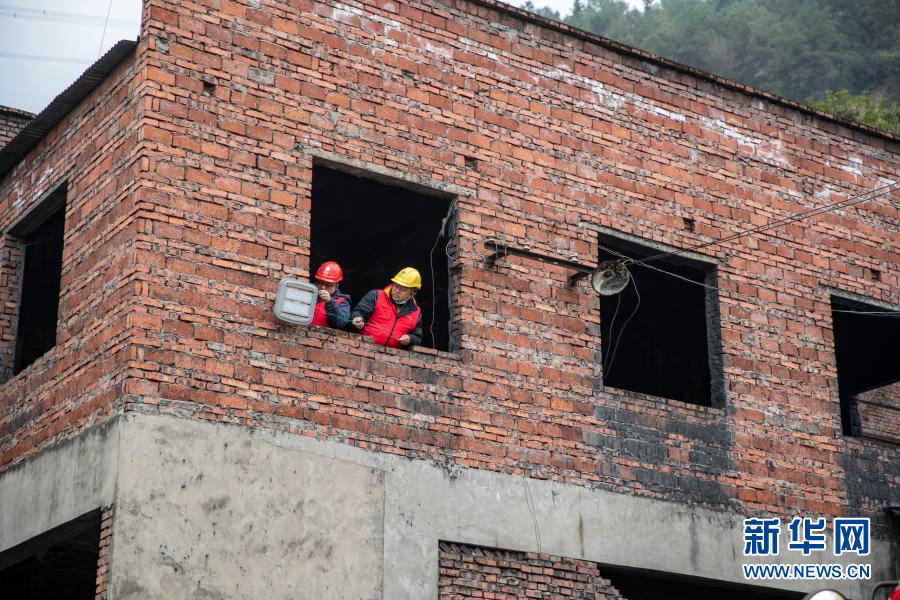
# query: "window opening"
(865, 346)
(374, 228)
(60, 563)
(660, 335)
(651, 585)
(42, 240)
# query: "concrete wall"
(213, 510)
(209, 511)
(59, 484)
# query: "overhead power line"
(869, 313)
(633, 261)
(23, 12)
(105, 24)
(59, 59)
(870, 195)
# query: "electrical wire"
(22, 12)
(612, 324)
(40, 241)
(442, 233)
(869, 313)
(628, 260)
(433, 290)
(59, 59)
(105, 24)
(529, 501)
(873, 313)
(607, 371)
(798, 217)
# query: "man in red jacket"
(332, 307)
(391, 316)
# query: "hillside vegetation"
(842, 56)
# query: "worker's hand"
(324, 296)
(404, 340)
(358, 322)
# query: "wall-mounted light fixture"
(295, 303)
(608, 278)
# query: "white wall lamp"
(295, 303)
(608, 278)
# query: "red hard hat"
(330, 272)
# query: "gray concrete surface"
(59, 484)
(208, 510)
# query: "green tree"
(863, 108)
(795, 48)
(545, 11)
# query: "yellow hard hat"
(408, 277)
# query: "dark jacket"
(336, 311)
(397, 320)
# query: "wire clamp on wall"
(500, 250)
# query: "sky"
(46, 44)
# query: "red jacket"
(334, 313)
(387, 322)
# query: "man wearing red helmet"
(333, 307)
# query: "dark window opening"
(61, 563)
(865, 346)
(660, 334)
(42, 238)
(647, 585)
(373, 229)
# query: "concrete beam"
(213, 510)
(59, 484)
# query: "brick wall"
(11, 260)
(240, 97)
(79, 382)
(12, 120)
(879, 413)
(473, 572)
(106, 523)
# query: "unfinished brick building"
(12, 121)
(544, 441)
